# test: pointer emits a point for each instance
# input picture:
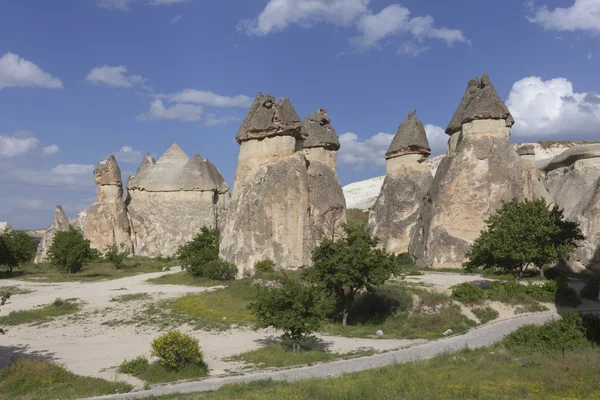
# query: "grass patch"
(13, 290)
(183, 278)
(155, 373)
(485, 314)
(358, 215)
(131, 297)
(485, 374)
(95, 271)
(40, 314)
(28, 379)
(279, 355)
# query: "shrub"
(70, 251)
(219, 270)
(405, 260)
(199, 251)
(115, 256)
(485, 314)
(16, 249)
(3, 298)
(468, 293)
(264, 266)
(176, 350)
(591, 290)
(544, 292)
(378, 303)
(566, 333)
(134, 367)
(566, 296)
(293, 307)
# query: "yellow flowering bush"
(177, 350)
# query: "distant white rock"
(5, 228)
(362, 195)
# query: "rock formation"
(106, 223)
(269, 213)
(328, 205)
(170, 200)
(406, 183)
(587, 213)
(59, 224)
(5, 228)
(78, 221)
(472, 182)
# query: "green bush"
(264, 266)
(115, 256)
(219, 270)
(378, 303)
(199, 251)
(70, 251)
(176, 350)
(134, 367)
(566, 296)
(405, 259)
(16, 249)
(591, 289)
(468, 293)
(485, 314)
(544, 292)
(566, 333)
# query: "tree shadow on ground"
(8, 353)
(313, 343)
(484, 283)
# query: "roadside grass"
(27, 379)
(485, 314)
(94, 271)
(13, 290)
(486, 374)
(280, 355)
(131, 297)
(155, 373)
(183, 278)
(41, 314)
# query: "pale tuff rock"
(269, 212)
(587, 213)
(170, 200)
(471, 184)
(59, 224)
(328, 205)
(5, 228)
(107, 223)
(78, 222)
(397, 209)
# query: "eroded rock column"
(60, 223)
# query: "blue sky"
(83, 79)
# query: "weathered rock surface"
(587, 213)
(328, 205)
(471, 184)
(59, 224)
(5, 228)
(78, 221)
(269, 213)
(170, 200)
(398, 207)
(106, 222)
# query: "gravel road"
(478, 337)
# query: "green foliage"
(199, 251)
(485, 314)
(219, 270)
(3, 299)
(350, 264)
(523, 233)
(591, 290)
(177, 350)
(566, 333)
(405, 260)
(379, 303)
(70, 251)
(16, 249)
(468, 293)
(154, 372)
(42, 314)
(115, 256)
(294, 307)
(264, 266)
(566, 296)
(357, 216)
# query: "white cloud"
(18, 72)
(177, 18)
(437, 138)
(128, 155)
(583, 15)
(115, 77)
(16, 146)
(72, 169)
(279, 14)
(125, 5)
(213, 120)
(552, 108)
(589, 56)
(178, 111)
(166, 2)
(370, 152)
(411, 49)
(52, 149)
(206, 98)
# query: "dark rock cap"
(410, 139)
(526, 150)
(266, 118)
(318, 132)
(108, 172)
(480, 101)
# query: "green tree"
(522, 234)
(201, 250)
(16, 249)
(115, 256)
(295, 307)
(70, 251)
(351, 264)
(3, 298)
